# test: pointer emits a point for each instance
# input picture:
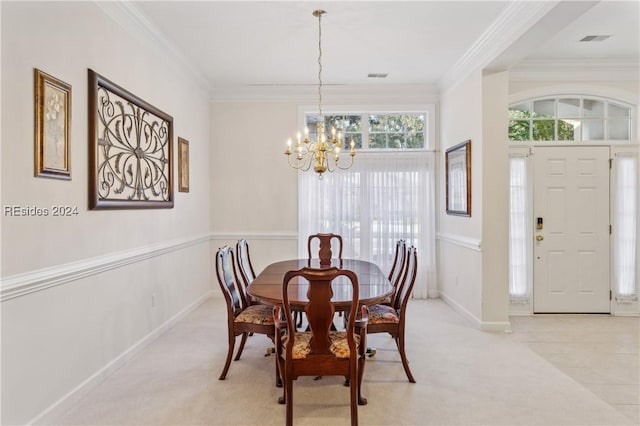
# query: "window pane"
(377, 140)
(568, 130)
(415, 140)
(352, 123)
(413, 122)
(396, 140)
(377, 123)
(592, 130)
(394, 124)
(543, 130)
(619, 111)
(569, 107)
(522, 108)
(619, 129)
(519, 130)
(544, 108)
(592, 108)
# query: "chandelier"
(323, 153)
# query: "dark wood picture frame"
(52, 126)
(183, 165)
(458, 179)
(130, 149)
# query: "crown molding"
(576, 70)
(129, 17)
(340, 94)
(496, 38)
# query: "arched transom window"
(569, 118)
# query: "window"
(519, 229)
(388, 193)
(375, 131)
(626, 225)
(570, 118)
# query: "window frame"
(429, 111)
(606, 118)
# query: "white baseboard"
(52, 414)
(504, 326)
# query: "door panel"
(571, 251)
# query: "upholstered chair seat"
(383, 314)
(256, 314)
(302, 344)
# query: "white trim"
(496, 39)
(577, 89)
(22, 284)
(231, 235)
(504, 326)
(129, 17)
(574, 70)
(460, 240)
(387, 93)
(56, 409)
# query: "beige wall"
(459, 251)
(473, 251)
(495, 198)
(108, 281)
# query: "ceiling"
(236, 44)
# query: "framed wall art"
(183, 165)
(52, 126)
(458, 179)
(130, 149)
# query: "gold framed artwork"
(458, 178)
(183, 165)
(130, 149)
(52, 126)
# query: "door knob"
(539, 238)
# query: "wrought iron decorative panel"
(130, 146)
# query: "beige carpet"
(464, 377)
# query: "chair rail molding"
(460, 240)
(22, 284)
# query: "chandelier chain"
(320, 66)
(323, 154)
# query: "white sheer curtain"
(626, 222)
(519, 230)
(384, 197)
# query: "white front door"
(571, 230)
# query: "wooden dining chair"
(397, 268)
(392, 318)
(321, 351)
(325, 243)
(245, 269)
(241, 319)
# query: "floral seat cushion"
(256, 314)
(383, 314)
(302, 345)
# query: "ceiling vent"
(595, 38)
(377, 75)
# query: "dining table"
(373, 285)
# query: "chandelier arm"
(345, 167)
(303, 164)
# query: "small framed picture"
(458, 177)
(183, 165)
(52, 126)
